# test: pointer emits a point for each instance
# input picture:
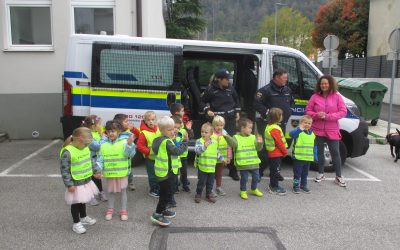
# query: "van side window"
(310, 78)
(288, 63)
(141, 67)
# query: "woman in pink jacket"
(326, 107)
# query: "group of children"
(90, 154)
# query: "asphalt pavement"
(365, 215)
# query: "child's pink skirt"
(114, 185)
(82, 194)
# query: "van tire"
(330, 168)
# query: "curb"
(376, 139)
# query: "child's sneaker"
(305, 190)
(154, 194)
(102, 196)
(124, 215)
(340, 181)
(256, 192)
(211, 198)
(78, 228)
(109, 214)
(296, 190)
(197, 198)
(277, 190)
(220, 191)
(186, 189)
(160, 220)
(319, 178)
(243, 195)
(132, 186)
(169, 214)
(88, 221)
(94, 202)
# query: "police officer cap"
(223, 73)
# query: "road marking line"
(371, 177)
(189, 177)
(16, 165)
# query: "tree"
(293, 29)
(348, 20)
(184, 19)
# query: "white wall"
(153, 24)
(383, 19)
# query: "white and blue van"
(105, 75)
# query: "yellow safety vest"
(222, 145)
(245, 152)
(150, 136)
(303, 148)
(116, 165)
(207, 160)
(269, 140)
(182, 130)
(161, 161)
(96, 136)
(81, 162)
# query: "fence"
(366, 67)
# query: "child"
(76, 171)
(218, 124)
(276, 146)
(114, 157)
(178, 110)
(93, 122)
(166, 168)
(128, 128)
(149, 131)
(207, 156)
(304, 152)
(246, 146)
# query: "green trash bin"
(367, 95)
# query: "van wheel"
(330, 167)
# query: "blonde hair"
(148, 114)
(165, 122)
(274, 115)
(217, 120)
(305, 118)
(207, 125)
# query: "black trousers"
(78, 210)
(166, 191)
(98, 183)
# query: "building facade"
(34, 36)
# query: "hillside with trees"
(240, 20)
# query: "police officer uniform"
(223, 101)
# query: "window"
(288, 63)
(28, 25)
(93, 16)
(310, 78)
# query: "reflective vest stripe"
(150, 136)
(81, 162)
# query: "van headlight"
(354, 110)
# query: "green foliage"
(293, 29)
(348, 20)
(184, 19)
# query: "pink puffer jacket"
(335, 109)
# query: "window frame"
(91, 4)
(8, 45)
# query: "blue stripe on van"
(299, 109)
(119, 102)
(75, 74)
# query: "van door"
(133, 79)
(302, 79)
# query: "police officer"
(220, 98)
(276, 94)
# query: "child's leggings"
(124, 199)
(98, 183)
(78, 210)
(218, 174)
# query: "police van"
(105, 75)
